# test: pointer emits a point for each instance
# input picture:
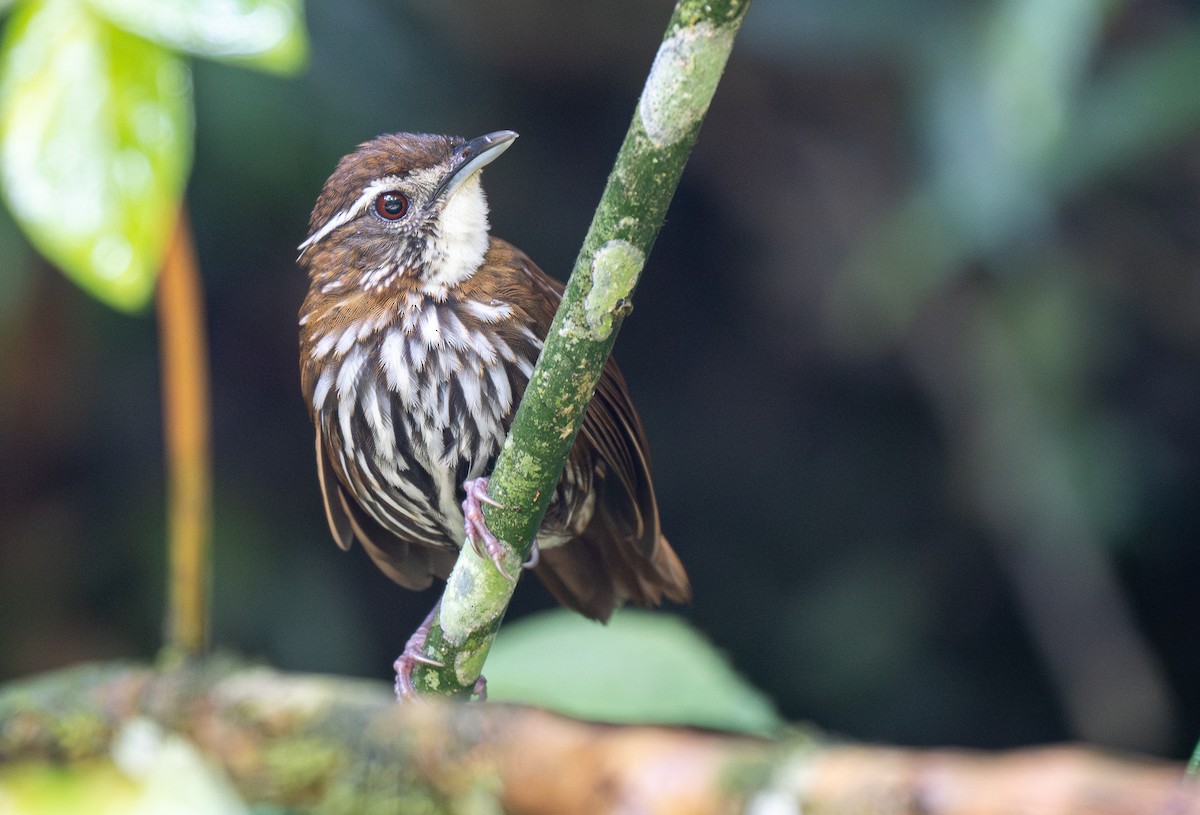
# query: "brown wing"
(612, 427)
(621, 555)
(331, 493)
(412, 565)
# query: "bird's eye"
(391, 206)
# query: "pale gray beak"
(472, 156)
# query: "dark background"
(917, 351)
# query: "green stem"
(674, 101)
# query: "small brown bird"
(417, 339)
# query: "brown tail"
(595, 573)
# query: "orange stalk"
(186, 419)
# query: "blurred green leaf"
(16, 276)
(171, 773)
(152, 772)
(96, 786)
(266, 34)
(95, 146)
(998, 101)
(1142, 103)
(642, 667)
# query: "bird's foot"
(484, 542)
(412, 656)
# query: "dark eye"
(391, 206)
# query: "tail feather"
(594, 576)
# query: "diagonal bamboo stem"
(674, 101)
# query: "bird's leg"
(411, 655)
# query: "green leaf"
(1140, 104)
(150, 771)
(95, 146)
(265, 34)
(642, 667)
(95, 786)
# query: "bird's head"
(403, 210)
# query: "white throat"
(462, 241)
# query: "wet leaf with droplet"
(95, 146)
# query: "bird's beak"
(472, 156)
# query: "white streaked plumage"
(503, 391)
(431, 327)
(468, 380)
(347, 391)
(321, 391)
(395, 364)
(348, 372)
(454, 333)
(346, 340)
(417, 351)
(484, 348)
(323, 346)
(489, 312)
(378, 419)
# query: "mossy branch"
(324, 744)
(674, 101)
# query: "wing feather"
(335, 509)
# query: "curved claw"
(411, 656)
(535, 556)
(498, 559)
(500, 550)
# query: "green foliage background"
(917, 349)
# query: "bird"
(418, 336)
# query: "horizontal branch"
(330, 744)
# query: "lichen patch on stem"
(685, 73)
(615, 268)
(468, 610)
(468, 665)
